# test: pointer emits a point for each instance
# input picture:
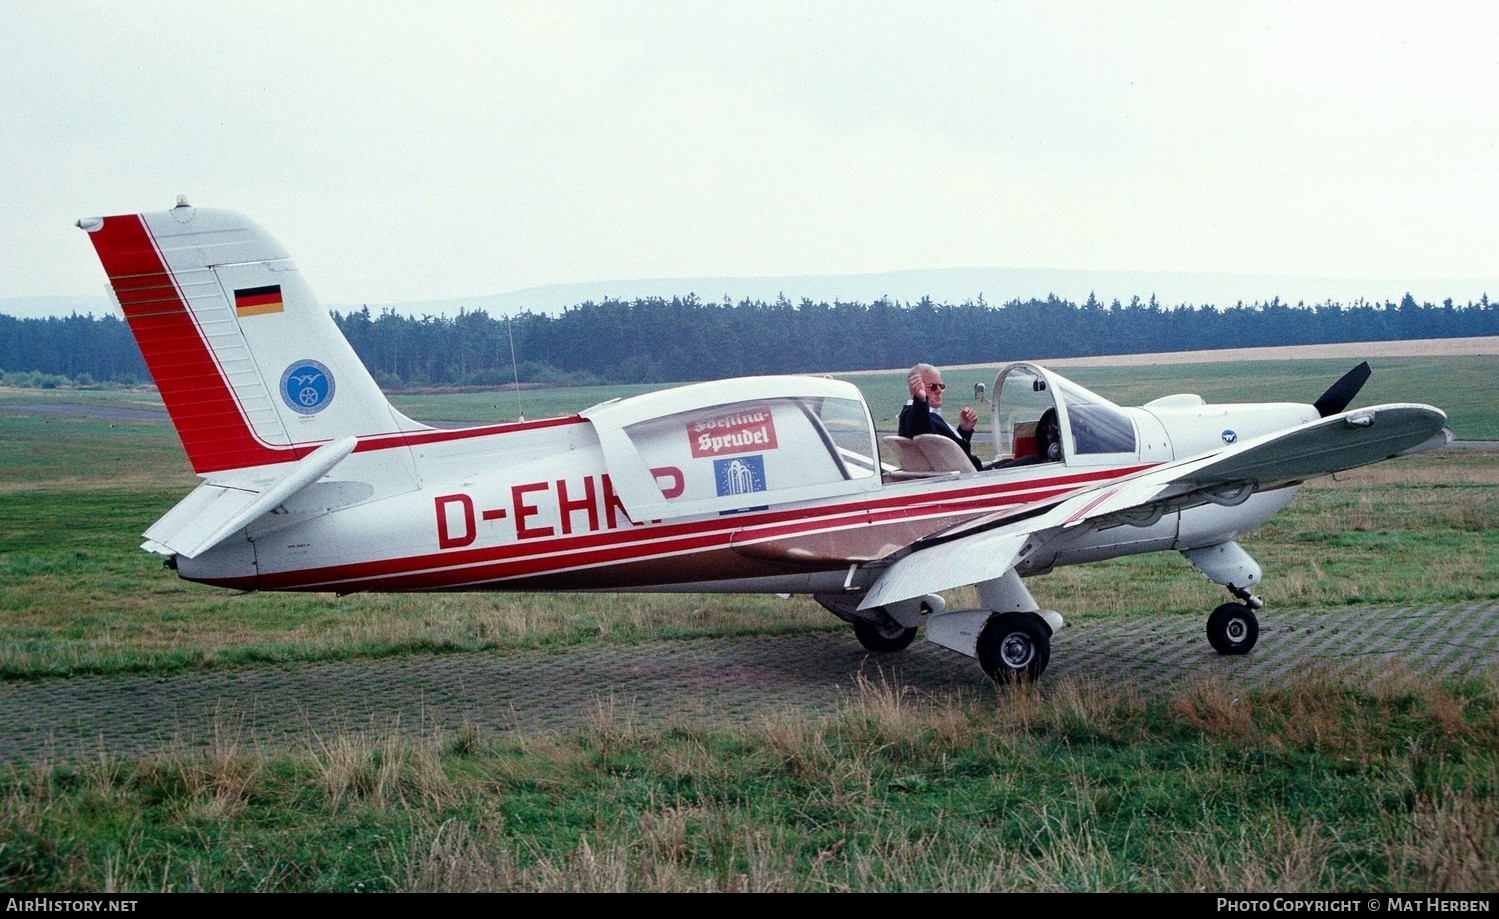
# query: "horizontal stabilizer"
(213, 513)
(183, 529)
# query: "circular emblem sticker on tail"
(307, 387)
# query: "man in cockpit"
(923, 414)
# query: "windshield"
(1098, 426)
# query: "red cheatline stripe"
(394, 575)
(439, 435)
(529, 557)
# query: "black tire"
(1014, 647)
(1233, 629)
(884, 637)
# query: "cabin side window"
(849, 434)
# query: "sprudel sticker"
(307, 387)
(749, 431)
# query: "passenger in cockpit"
(923, 414)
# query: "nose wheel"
(1233, 628)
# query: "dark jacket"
(918, 418)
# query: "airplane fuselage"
(533, 507)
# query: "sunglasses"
(936, 387)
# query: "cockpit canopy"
(1038, 415)
(725, 446)
(734, 445)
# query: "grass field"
(1316, 786)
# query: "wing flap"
(945, 566)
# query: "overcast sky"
(418, 151)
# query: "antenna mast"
(515, 368)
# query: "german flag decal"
(257, 301)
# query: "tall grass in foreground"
(1314, 786)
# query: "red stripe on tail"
(202, 406)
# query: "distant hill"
(943, 285)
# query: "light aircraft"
(312, 481)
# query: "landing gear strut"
(882, 629)
(1232, 628)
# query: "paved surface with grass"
(735, 681)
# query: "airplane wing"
(985, 548)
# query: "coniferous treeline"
(82, 349)
(661, 341)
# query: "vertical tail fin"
(252, 369)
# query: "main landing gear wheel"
(1233, 629)
(885, 636)
(1014, 647)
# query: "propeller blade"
(1341, 393)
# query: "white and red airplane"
(312, 481)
